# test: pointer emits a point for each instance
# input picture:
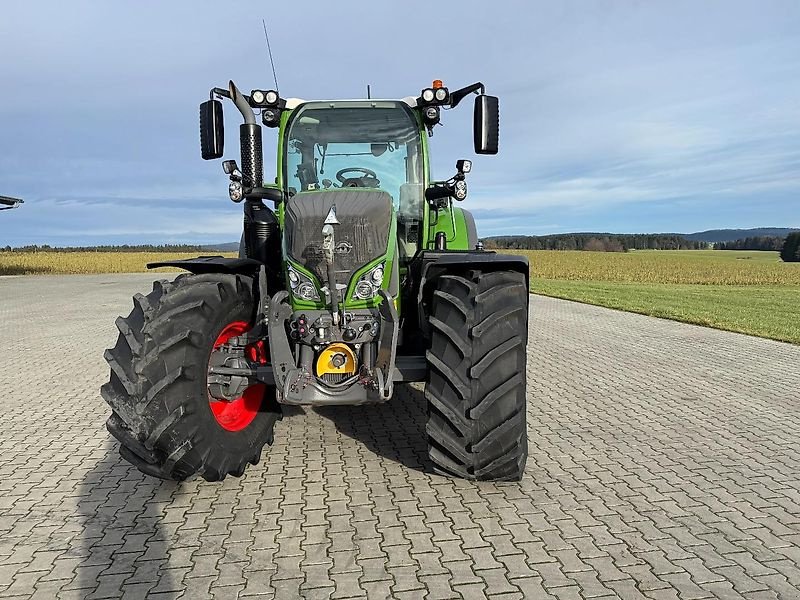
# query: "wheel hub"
(233, 400)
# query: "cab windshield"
(367, 144)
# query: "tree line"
(790, 252)
(763, 242)
(789, 247)
(598, 242)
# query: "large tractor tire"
(167, 423)
(476, 384)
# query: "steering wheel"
(368, 177)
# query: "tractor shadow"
(133, 526)
(124, 530)
(395, 430)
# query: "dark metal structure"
(7, 202)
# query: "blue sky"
(615, 116)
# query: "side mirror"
(486, 125)
(212, 130)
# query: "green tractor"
(361, 273)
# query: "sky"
(616, 116)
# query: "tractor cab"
(358, 145)
(368, 144)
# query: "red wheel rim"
(239, 413)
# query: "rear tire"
(162, 415)
(476, 384)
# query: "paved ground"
(664, 462)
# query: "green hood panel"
(364, 237)
(361, 236)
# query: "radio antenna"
(269, 51)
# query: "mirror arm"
(265, 193)
(458, 95)
(437, 191)
(218, 92)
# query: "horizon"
(631, 118)
(214, 245)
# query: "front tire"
(476, 384)
(166, 422)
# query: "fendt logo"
(343, 248)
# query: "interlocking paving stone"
(664, 463)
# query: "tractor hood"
(362, 234)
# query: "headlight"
(235, 191)
(461, 190)
(432, 114)
(307, 291)
(428, 95)
(364, 290)
(369, 284)
(441, 94)
(271, 117)
(301, 285)
(257, 96)
(271, 97)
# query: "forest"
(598, 242)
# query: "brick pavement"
(664, 463)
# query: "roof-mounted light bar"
(436, 95)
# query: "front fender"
(433, 264)
(212, 264)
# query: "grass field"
(748, 292)
(772, 312)
(700, 267)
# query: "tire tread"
(476, 385)
(152, 390)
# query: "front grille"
(334, 378)
(362, 235)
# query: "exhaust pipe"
(241, 103)
(249, 140)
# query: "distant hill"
(611, 241)
(759, 238)
(732, 235)
(223, 247)
(712, 235)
